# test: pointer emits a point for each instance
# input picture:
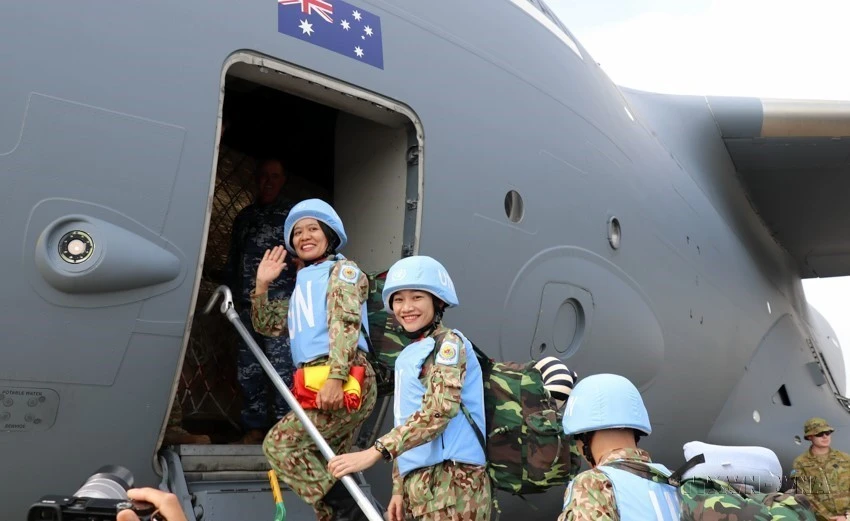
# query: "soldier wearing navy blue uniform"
(257, 228)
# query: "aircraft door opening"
(353, 149)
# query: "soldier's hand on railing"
(270, 267)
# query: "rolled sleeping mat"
(558, 379)
(754, 466)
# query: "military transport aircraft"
(660, 237)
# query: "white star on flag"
(368, 30)
(306, 27)
(358, 51)
(356, 15)
(345, 25)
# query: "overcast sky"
(760, 48)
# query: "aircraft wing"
(794, 160)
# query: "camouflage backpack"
(384, 335)
(708, 499)
(526, 448)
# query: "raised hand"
(270, 268)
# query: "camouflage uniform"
(449, 490)
(590, 496)
(824, 479)
(256, 229)
(289, 448)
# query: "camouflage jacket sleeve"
(440, 403)
(590, 497)
(347, 291)
(268, 316)
(398, 482)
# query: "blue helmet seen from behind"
(605, 401)
(314, 209)
(422, 273)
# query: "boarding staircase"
(231, 482)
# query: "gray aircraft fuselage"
(110, 123)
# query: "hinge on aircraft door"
(413, 155)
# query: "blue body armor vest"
(307, 320)
(458, 442)
(641, 499)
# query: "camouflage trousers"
(297, 460)
(254, 382)
(448, 491)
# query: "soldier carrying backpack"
(524, 448)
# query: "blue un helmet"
(423, 273)
(314, 209)
(605, 401)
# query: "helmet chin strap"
(585, 438)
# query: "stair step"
(202, 459)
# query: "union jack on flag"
(335, 25)
(324, 9)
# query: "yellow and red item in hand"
(308, 381)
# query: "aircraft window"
(514, 206)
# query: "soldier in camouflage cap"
(823, 473)
(323, 322)
(439, 471)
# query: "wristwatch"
(383, 450)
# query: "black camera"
(101, 497)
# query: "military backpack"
(526, 448)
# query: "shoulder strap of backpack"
(648, 472)
(478, 434)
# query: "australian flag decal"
(334, 25)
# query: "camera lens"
(109, 482)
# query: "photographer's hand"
(167, 504)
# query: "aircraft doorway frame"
(309, 80)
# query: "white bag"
(755, 466)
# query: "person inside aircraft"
(324, 322)
(606, 414)
(822, 473)
(257, 228)
(167, 504)
(438, 463)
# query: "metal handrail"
(228, 310)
